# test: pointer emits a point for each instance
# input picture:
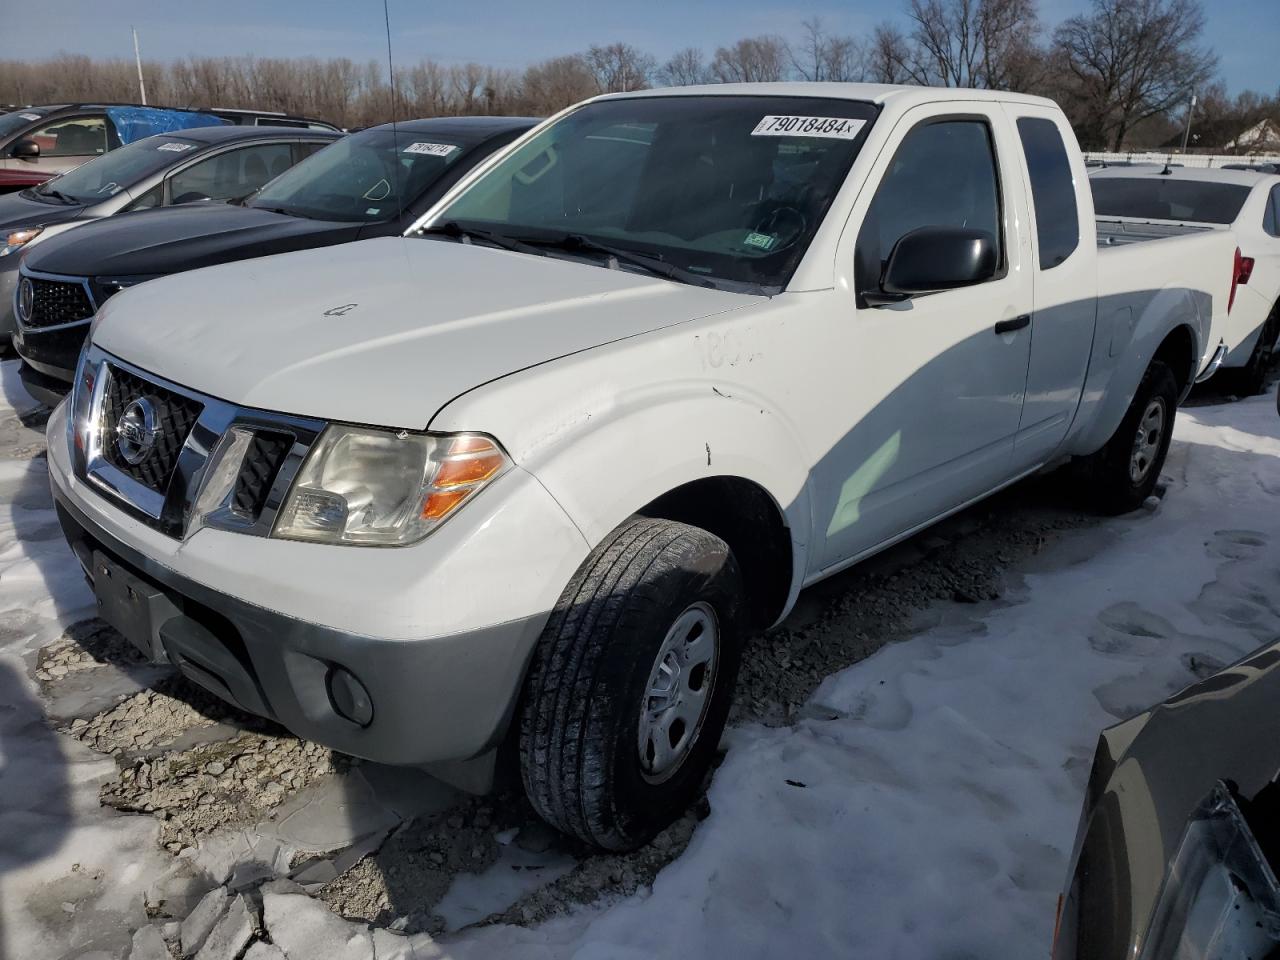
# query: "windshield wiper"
(577, 243)
(452, 228)
(57, 195)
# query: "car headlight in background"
(15, 240)
(385, 488)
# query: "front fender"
(605, 440)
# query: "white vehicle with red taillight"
(1163, 201)
(527, 475)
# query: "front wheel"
(1124, 473)
(631, 683)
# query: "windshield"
(107, 175)
(728, 188)
(1163, 198)
(11, 123)
(364, 177)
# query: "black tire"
(1112, 487)
(580, 716)
(1249, 379)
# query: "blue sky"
(512, 33)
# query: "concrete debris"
(148, 944)
(232, 933)
(196, 927)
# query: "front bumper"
(450, 698)
(8, 285)
(267, 624)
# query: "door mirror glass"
(932, 259)
(25, 149)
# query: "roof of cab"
(878, 93)
(470, 126)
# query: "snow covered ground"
(923, 807)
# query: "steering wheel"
(785, 223)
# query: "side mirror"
(932, 259)
(25, 149)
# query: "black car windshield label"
(431, 149)
(836, 128)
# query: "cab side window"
(943, 174)
(72, 137)
(235, 173)
(1053, 191)
(1271, 220)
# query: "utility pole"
(1186, 134)
(137, 57)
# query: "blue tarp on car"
(135, 123)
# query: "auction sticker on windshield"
(176, 147)
(838, 128)
(431, 149)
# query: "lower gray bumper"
(427, 700)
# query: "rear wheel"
(1124, 472)
(1249, 379)
(631, 683)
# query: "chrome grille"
(177, 439)
(176, 415)
(258, 470)
(55, 302)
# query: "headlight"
(379, 488)
(18, 239)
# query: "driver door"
(932, 387)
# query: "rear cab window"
(1167, 198)
(1053, 190)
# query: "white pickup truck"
(526, 476)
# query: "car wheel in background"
(1124, 472)
(631, 683)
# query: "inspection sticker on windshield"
(431, 149)
(176, 147)
(761, 241)
(836, 128)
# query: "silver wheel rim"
(1146, 444)
(678, 692)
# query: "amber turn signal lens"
(439, 504)
(454, 473)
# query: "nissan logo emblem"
(136, 431)
(26, 298)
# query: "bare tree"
(1129, 60)
(684, 69)
(888, 56)
(753, 60)
(822, 56)
(973, 43)
(556, 83)
(619, 67)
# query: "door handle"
(1017, 323)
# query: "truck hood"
(384, 331)
(173, 239)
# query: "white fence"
(1183, 159)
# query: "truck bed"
(1115, 232)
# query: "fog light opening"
(348, 697)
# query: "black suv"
(369, 184)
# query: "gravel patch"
(85, 646)
(218, 786)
